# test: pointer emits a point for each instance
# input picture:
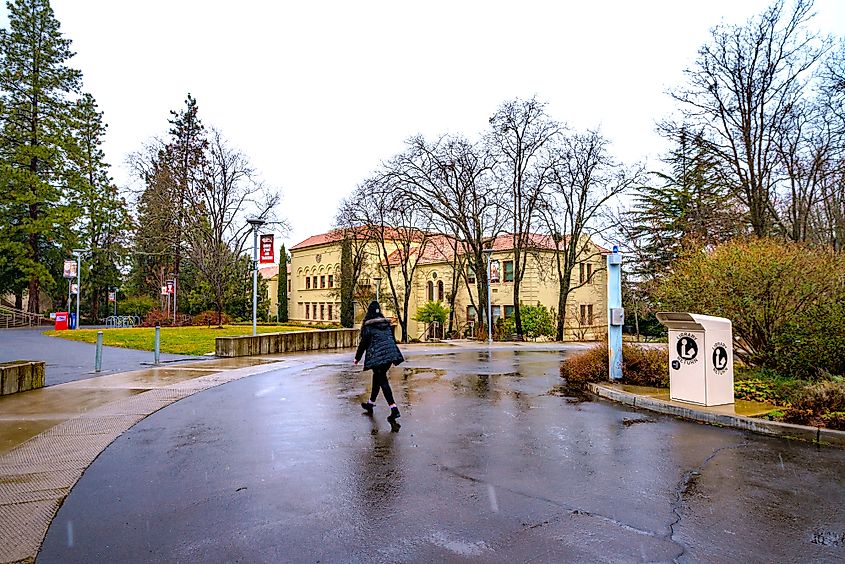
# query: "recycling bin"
(72, 323)
(61, 321)
(700, 358)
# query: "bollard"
(98, 360)
(158, 343)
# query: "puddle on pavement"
(61, 401)
(146, 379)
(13, 433)
(228, 363)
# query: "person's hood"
(377, 321)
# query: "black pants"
(380, 383)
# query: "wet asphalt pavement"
(492, 464)
(69, 361)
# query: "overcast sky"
(319, 93)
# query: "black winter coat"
(377, 340)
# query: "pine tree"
(283, 285)
(186, 153)
(688, 206)
(36, 124)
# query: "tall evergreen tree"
(35, 84)
(686, 206)
(283, 285)
(186, 151)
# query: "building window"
(586, 314)
(330, 312)
(430, 291)
(331, 280)
(322, 281)
(497, 312)
(314, 282)
(440, 290)
(307, 282)
(508, 310)
(470, 313)
(508, 271)
(585, 272)
(470, 275)
(307, 311)
(322, 311)
(288, 285)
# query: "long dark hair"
(373, 311)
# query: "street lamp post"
(489, 253)
(256, 223)
(78, 254)
(378, 287)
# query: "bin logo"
(720, 358)
(687, 348)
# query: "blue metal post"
(157, 343)
(614, 301)
(98, 359)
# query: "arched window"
(440, 290)
(430, 291)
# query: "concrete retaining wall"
(20, 376)
(291, 341)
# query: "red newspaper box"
(61, 320)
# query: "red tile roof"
(270, 271)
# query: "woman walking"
(381, 352)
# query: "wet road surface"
(69, 361)
(492, 464)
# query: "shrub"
(784, 300)
(136, 305)
(165, 319)
(815, 401)
(584, 367)
(834, 420)
(643, 366)
(537, 321)
(640, 366)
(209, 317)
(432, 311)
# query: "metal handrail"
(11, 317)
(122, 321)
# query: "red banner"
(266, 254)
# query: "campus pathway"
(69, 361)
(492, 464)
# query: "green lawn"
(177, 340)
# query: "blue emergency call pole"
(615, 313)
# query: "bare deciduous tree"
(583, 178)
(216, 231)
(741, 91)
(521, 135)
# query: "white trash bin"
(701, 368)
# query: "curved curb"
(817, 435)
(37, 475)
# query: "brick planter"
(20, 376)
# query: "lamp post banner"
(70, 269)
(267, 254)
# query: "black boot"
(394, 415)
(368, 407)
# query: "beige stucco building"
(315, 283)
